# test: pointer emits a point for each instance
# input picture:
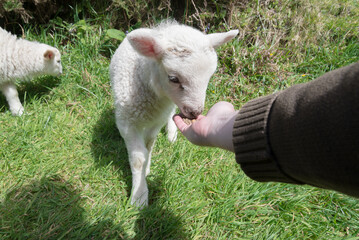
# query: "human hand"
(213, 130)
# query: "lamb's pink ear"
(48, 55)
(217, 39)
(145, 43)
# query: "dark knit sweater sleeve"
(250, 139)
(306, 134)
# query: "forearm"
(305, 134)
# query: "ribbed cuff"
(251, 142)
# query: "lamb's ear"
(217, 39)
(145, 43)
(49, 54)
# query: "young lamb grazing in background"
(23, 59)
(152, 71)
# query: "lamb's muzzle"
(191, 113)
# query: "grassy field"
(64, 172)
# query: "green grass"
(64, 172)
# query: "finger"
(181, 125)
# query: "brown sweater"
(306, 134)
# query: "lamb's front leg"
(138, 157)
(150, 138)
(12, 97)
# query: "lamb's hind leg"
(138, 157)
(171, 128)
(12, 97)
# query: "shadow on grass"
(154, 221)
(50, 208)
(108, 147)
(107, 143)
(158, 221)
(31, 89)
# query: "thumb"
(193, 132)
(181, 125)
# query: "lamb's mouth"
(182, 115)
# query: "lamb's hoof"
(141, 201)
(17, 112)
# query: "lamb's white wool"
(151, 72)
(22, 59)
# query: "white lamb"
(152, 71)
(23, 59)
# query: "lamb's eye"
(173, 79)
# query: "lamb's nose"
(192, 113)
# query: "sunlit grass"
(64, 172)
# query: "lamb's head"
(184, 59)
(51, 60)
